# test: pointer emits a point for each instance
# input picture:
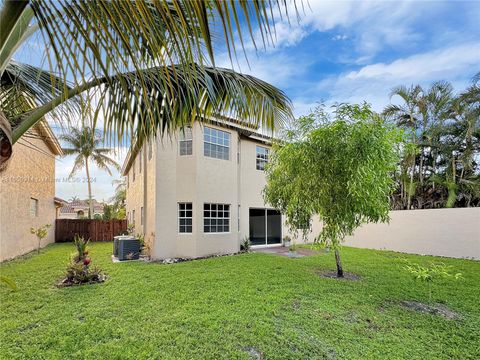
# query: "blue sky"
(349, 51)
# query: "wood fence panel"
(95, 230)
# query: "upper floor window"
(33, 207)
(185, 217)
(216, 218)
(262, 157)
(185, 141)
(216, 143)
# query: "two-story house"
(200, 192)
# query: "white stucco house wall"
(199, 192)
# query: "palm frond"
(77, 165)
(23, 87)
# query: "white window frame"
(185, 137)
(261, 158)
(183, 209)
(207, 217)
(209, 135)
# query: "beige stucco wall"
(439, 232)
(30, 174)
(198, 179)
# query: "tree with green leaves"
(146, 67)
(439, 157)
(339, 167)
(86, 144)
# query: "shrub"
(79, 271)
(81, 247)
(246, 244)
(430, 274)
(41, 233)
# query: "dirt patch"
(253, 353)
(285, 251)
(434, 309)
(332, 274)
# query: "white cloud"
(372, 83)
(369, 24)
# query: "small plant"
(130, 229)
(246, 244)
(292, 248)
(79, 270)
(141, 239)
(430, 274)
(287, 240)
(81, 247)
(41, 233)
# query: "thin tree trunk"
(410, 189)
(90, 204)
(339, 264)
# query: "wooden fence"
(95, 230)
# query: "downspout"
(145, 197)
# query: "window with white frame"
(262, 157)
(33, 207)
(185, 141)
(216, 143)
(216, 218)
(185, 215)
(133, 217)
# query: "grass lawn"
(217, 308)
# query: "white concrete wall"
(440, 232)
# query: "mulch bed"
(332, 274)
(434, 309)
(67, 283)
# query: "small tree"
(41, 233)
(430, 274)
(339, 168)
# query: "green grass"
(216, 308)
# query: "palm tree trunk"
(410, 188)
(90, 203)
(339, 264)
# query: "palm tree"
(147, 66)
(85, 143)
(407, 115)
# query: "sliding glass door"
(265, 226)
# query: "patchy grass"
(242, 306)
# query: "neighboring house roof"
(74, 206)
(48, 137)
(245, 128)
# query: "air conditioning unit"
(126, 247)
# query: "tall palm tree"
(85, 144)
(147, 66)
(408, 115)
